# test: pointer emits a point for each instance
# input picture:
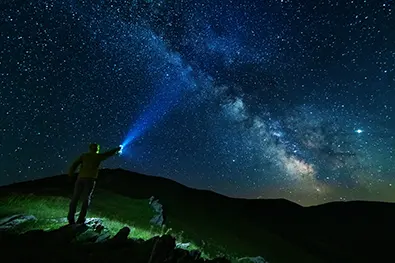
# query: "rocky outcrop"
(91, 243)
(14, 221)
(252, 260)
(158, 218)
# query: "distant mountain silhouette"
(356, 231)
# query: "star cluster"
(257, 99)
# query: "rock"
(66, 234)
(219, 260)
(58, 220)
(185, 256)
(93, 222)
(61, 236)
(88, 236)
(183, 245)
(122, 235)
(99, 228)
(103, 237)
(195, 254)
(158, 218)
(83, 243)
(252, 260)
(5, 220)
(15, 220)
(162, 248)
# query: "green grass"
(48, 209)
(114, 210)
(117, 211)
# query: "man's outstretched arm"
(109, 153)
(75, 165)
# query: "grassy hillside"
(115, 211)
(51, 211)
(216, 224)
(278, 230)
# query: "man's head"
(94, 148)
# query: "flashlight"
(120, 151)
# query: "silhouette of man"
(86, 180)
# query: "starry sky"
(253, 99)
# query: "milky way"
(257, 99)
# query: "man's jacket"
(90, 163)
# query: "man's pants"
(83, 189)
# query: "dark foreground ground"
(278, 230)
(91, 243)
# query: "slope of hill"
(277, 229)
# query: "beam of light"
(169, 95)
(155, 111)
(171, 77)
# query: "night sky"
(257, 99)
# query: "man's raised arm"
(75, 165)
(109, 153)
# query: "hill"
(276, 229)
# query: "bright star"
(358, 131)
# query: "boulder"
(195, 254)
(158, 219)
(85, 243)
(122, 235)
(162, 248)
(15, 220)
(183, 245)
(219, 260)
(91, 236)
(252, 260)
